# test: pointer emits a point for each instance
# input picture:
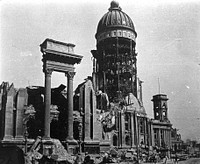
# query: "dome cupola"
(115, 23)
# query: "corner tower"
(160, 107)
(114, 62)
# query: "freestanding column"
(47, 98)
(70, 76)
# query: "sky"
(168, 47)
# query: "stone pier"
(22, 99)
(9, 114)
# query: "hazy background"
(168, 46)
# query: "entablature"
(60, 52)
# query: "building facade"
(115, 76)
(160, 125)
(106, 110)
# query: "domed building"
(106, 112)
(111, 99)
(115, 67)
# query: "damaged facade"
(105, 111)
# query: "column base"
(19, 138)
(92, 147)
(104, 146)
(46, 139)
(47, 146)
(72, 146)
(8, 138)
(72, 141)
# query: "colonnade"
(60, 57)
(70, 76)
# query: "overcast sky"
(168, 46)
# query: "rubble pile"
(60, 151)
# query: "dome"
(115, 22)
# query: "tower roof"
(159, 97)
(115, 19)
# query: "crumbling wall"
(12, 106)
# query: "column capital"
(48, 71)
(70, 75)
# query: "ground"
(191, 161)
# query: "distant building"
(176, 141)
(160, 125)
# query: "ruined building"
(112, 98)
(160, 125)
(105, 111)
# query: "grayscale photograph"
(98, 82)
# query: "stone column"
(169, 138)
(70, 76)
(138, 130)
(132, 130)
(145, 131)
(159, 138)
(47, 99)
(123, 129)
(165, 136)
(149, 133)
(118, 128)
